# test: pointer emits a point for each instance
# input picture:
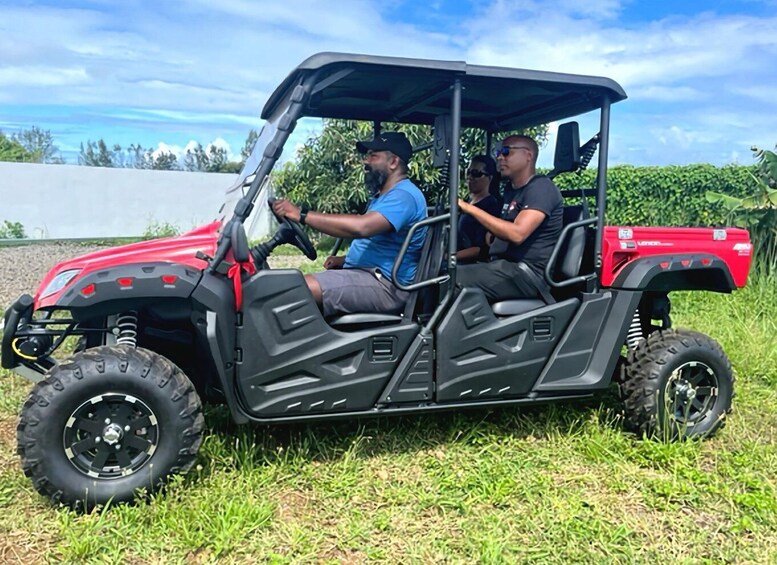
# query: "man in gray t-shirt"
(525, 234)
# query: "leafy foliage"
(245, 153)
(39, 144)
(210, 159)
(665, 196)
(29, 146)
(98, 154)
(12, 230)
(157, 230)
(757, 211)
(328, 173)
(13, 151)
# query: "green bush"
(666, 196)
(12, 230)
(156, 230)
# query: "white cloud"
(180, 152)
(662, 53)
(41, 76)
(668, 93)
(196, 69)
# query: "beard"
(374, 179)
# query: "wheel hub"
(685, 391)
(112, 433)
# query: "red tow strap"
(235, 273)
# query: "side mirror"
(567, 157)
(237, 236)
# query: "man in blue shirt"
(361, 281)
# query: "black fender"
(143, 282)
(665, 273)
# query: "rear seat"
(569, 257)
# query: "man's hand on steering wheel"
(285, 209)
(289, 214)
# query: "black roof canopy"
(393, 89)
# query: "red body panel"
(622, 245)
(180, 250)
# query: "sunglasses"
(476, 174)
(504, 151)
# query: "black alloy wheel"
(108, 424)
(111, 435)
(691, 393)
(676, 384)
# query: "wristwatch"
(303, 214)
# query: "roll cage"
(420, 91)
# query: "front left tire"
(108, 424)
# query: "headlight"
(59, 282)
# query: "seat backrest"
(428, 264)
(571, 256)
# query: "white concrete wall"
(68, 201)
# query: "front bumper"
(16, 321)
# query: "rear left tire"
(677, 384)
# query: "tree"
(758, 211)
(328, 173)
(248, 146)
(40, 145)
(149, 159)
(163, 161)
(97, 154)
(12, 230)
(214, 159)
(12, 150)
(33, 145)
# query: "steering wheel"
(298, 236)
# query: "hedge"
(666, 196)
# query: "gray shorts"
(499, 280)
(353, 291)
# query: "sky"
(701, 76)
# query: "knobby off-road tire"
(676, 384)
(107, 423)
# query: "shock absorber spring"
(635, 331)
(126, 329)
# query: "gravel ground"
(23, 267)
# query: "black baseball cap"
(393, 141)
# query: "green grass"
(555, 484)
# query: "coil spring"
(445, 175)
(127, 329)
(587, 152)
(634, 336)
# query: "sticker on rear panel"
(743, 249)
(625, 233)
(719, 235)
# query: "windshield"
(246, 176)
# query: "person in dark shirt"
(525, 234)
(483, 184)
